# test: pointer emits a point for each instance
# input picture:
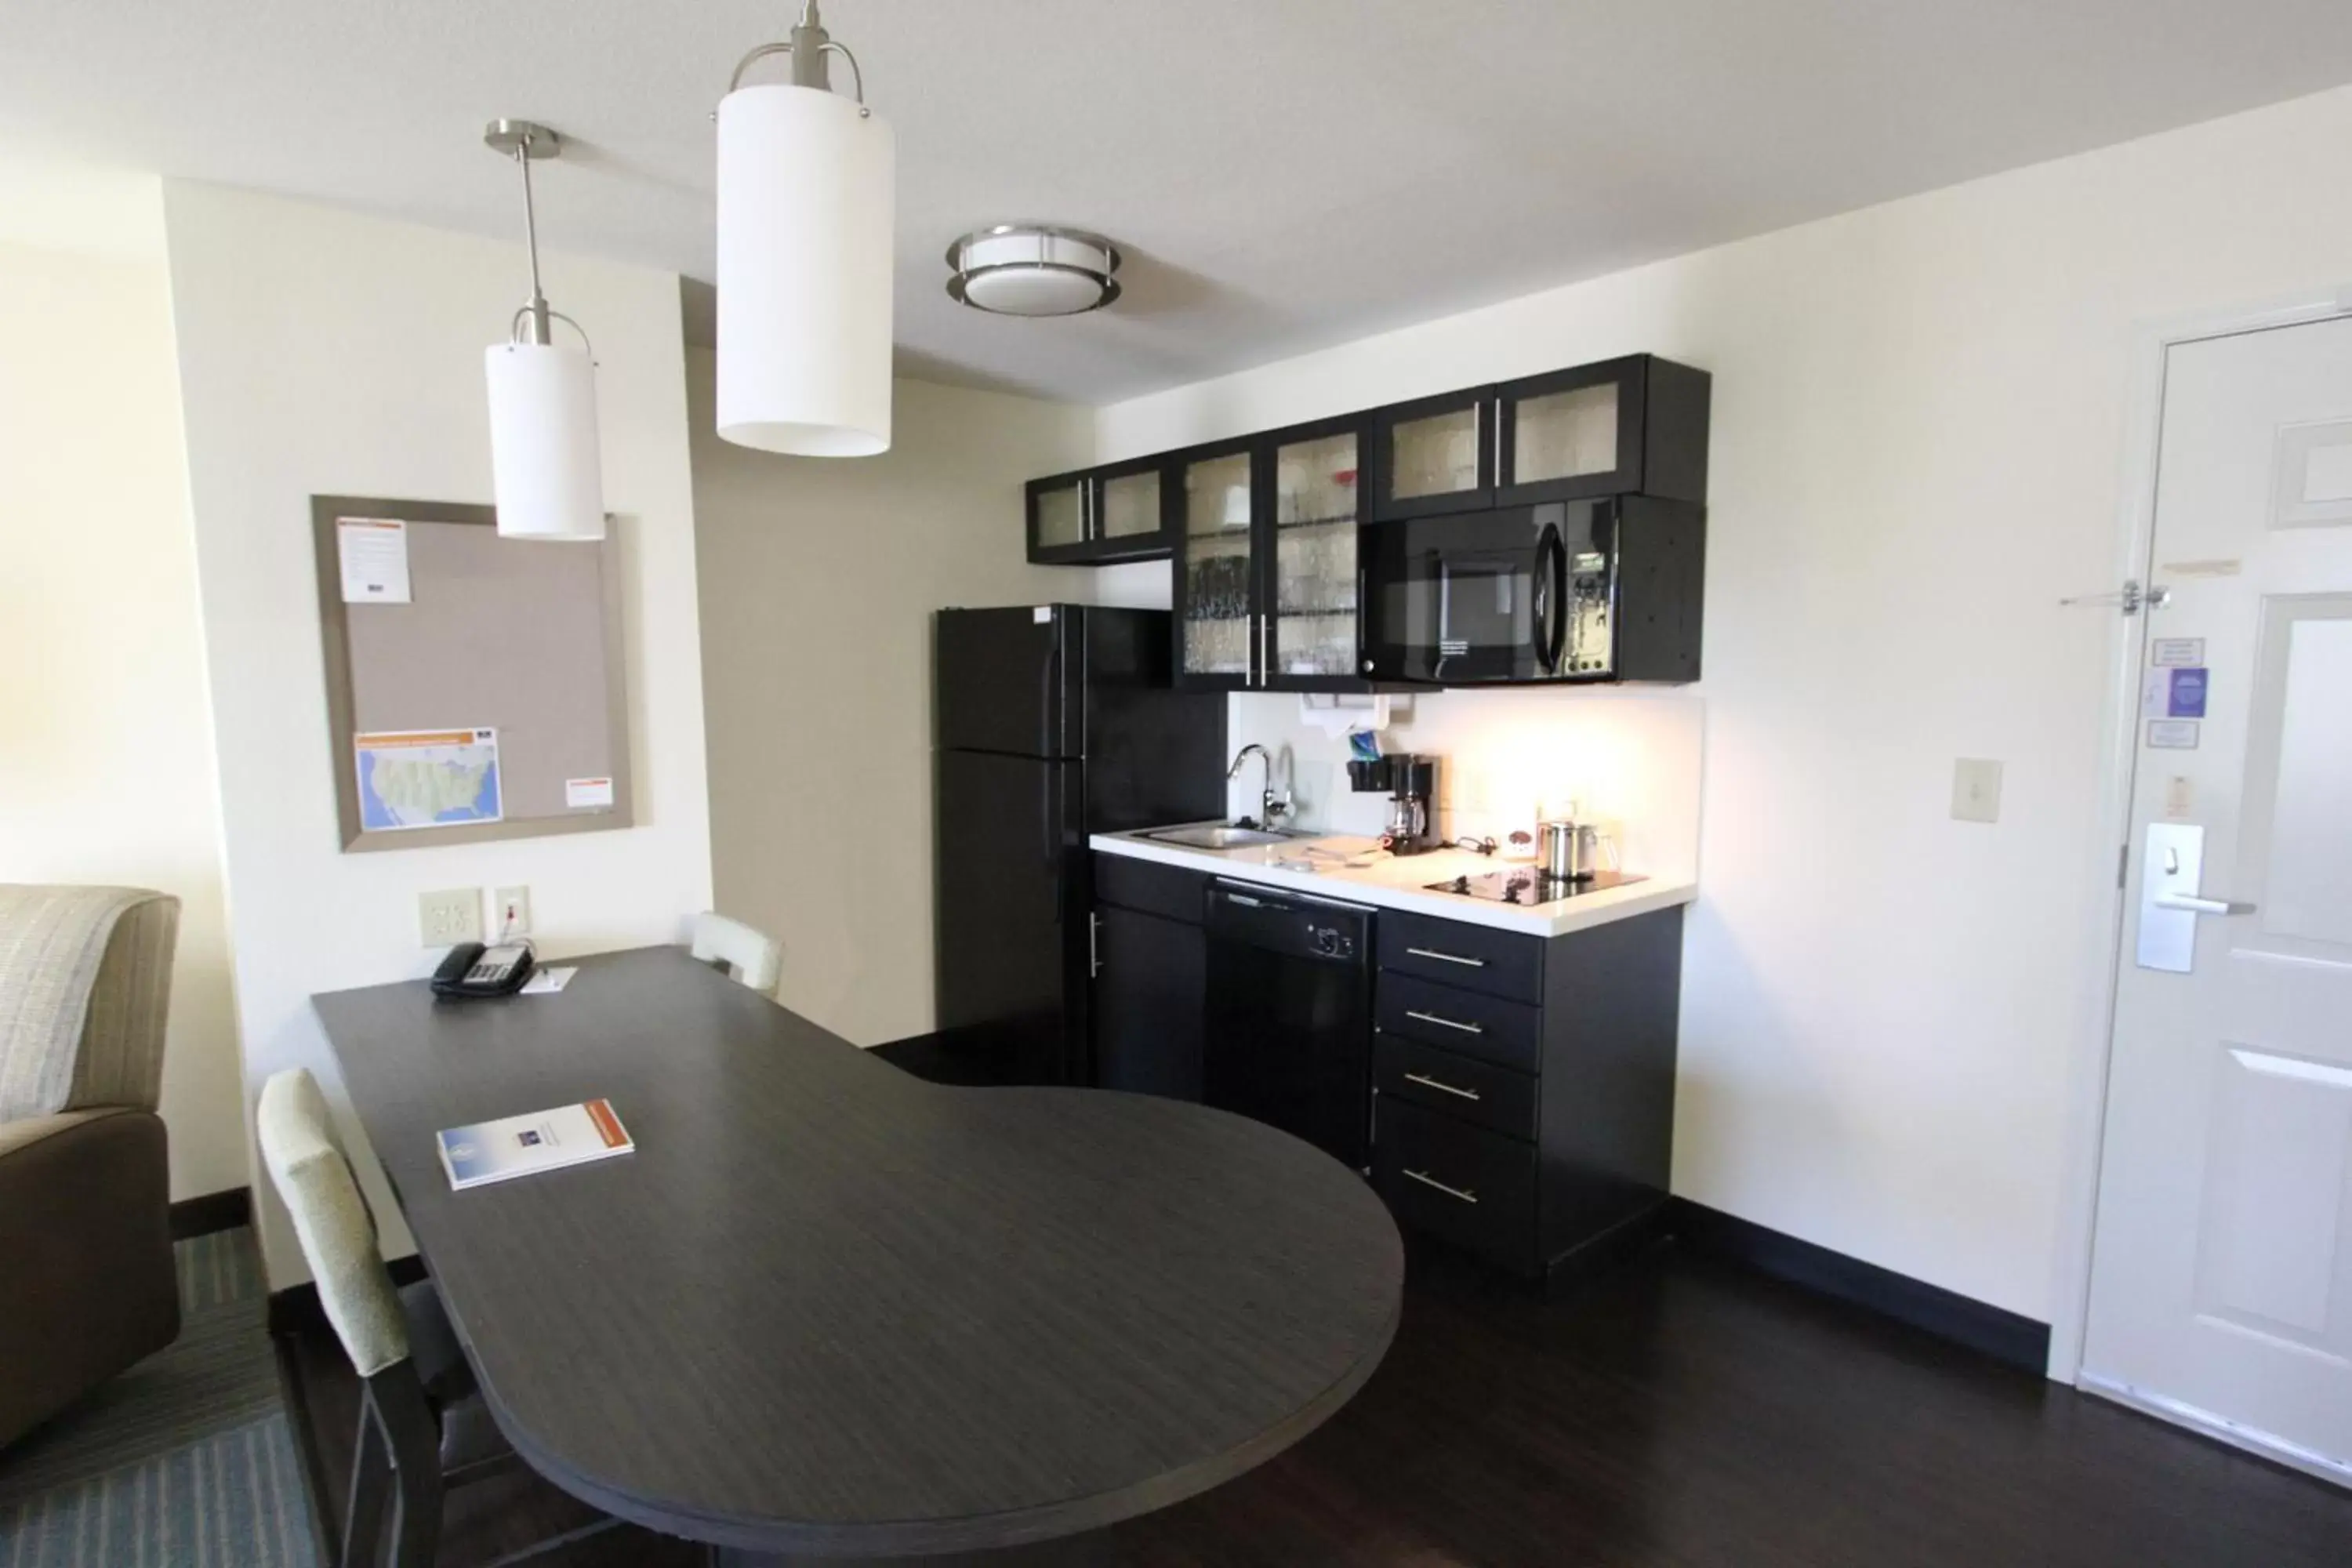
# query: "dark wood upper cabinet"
(1100, 516)
(1265, 579)
(1264, 532)
(1636, 426)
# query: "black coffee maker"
(1412, 783)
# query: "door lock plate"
(2174, 865)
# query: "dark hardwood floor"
(1678, 1410)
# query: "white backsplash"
(1629, 756)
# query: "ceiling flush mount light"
(544, 471)
(1030, 270)
(805, 194)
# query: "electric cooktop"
(1527, 885)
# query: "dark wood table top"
(829, 1307)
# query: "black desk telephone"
(473, 970)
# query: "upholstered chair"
(86, 1279)
(750, 957)
(423, 1426)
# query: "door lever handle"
(2196, 906)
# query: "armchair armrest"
(87, 1285)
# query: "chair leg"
(414, 1440)
(371, 1475)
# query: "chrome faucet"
(1270, 805)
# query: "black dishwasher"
(1290, 1017)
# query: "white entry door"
(2221, 1266)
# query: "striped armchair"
(85, 1280)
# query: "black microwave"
(1607, 589)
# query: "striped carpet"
(184, 1461)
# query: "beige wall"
(323, 353)
(1920, 421)
(106, 750)
(819, 576)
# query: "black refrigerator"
(1052, 721)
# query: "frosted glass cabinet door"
(1217, 572)
(1564, 435)
(1130, 505)
(1436, 455)
(1314, 632)
(1586, 432)
(1057, 513)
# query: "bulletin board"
(474, 683)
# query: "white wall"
(819, 577)
(1919, 421)
(106, 757)
(326, 353)
(1630, 759)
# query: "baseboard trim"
(223, 1210)
(298, 1308)
(2004, 1335)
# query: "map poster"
(428, 778)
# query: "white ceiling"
(1282, 174)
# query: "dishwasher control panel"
(1332, 942)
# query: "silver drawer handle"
(1446, 957)
(1447, 1023)
(1464, 1093)
(1428, 1181)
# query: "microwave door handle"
(1551, 592)
(1444, 581)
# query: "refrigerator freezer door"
(1011, 934)
(1004, 679)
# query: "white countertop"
(1389, 882)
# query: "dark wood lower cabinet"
(1526, 1133)
(1523, 1088)
(1150, 979)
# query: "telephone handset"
(473, 970)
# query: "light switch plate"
(450, 916)
(1976, 790)
(510, 912)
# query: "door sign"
(2173, 693)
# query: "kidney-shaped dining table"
(828, 1310)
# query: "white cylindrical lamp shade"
(806, 196)
(545, 474)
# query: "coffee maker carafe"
(1412, 783)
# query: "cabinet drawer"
(1451, 952)
(1505, 1032)
(1461, 1086)
(1169, 891)
(1470, 1186)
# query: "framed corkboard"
(478, 693)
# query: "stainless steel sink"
(1221, 836)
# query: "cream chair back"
(752, 957)
(312, 1174)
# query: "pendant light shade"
(546, 471)
(546, 474)
(807, 194)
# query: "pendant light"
(806, 196)
(545, 474)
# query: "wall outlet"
(1976, 790)
(449, 917)
(510, 912)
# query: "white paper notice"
(547, 981)
(374, 555)
(2176, 653)
(578, 792)
(2172, 734)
